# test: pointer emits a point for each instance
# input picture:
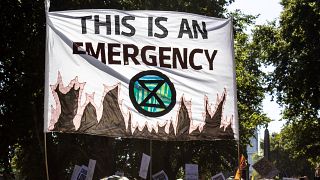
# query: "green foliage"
(172, 156)
(281, 155)
(249, 80)
(293, 48)
(303, 140)
(21, 77)
(204, 7)
(21, 101)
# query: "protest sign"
(144, 166)
(191, 171)
(160, 176)
(140, 74)
(265, 168)
(219, 176)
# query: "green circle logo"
(152, 93)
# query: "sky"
(269, 10)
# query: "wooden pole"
(239, 159)
(150, 169)
(46, 156)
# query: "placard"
(192, 172)
(140, 74)
(144, 166)
(160, 176)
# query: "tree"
(21, 100)
(21, 77)
(249, 79)
(287, 163)
(293, 48)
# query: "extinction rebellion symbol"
(152, 93)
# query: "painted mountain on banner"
(108, 119)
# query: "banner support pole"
(150, 170)
(46, 8)
(46, 155)
(239, 158)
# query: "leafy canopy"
(293, 48)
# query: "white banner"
(144, 74)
